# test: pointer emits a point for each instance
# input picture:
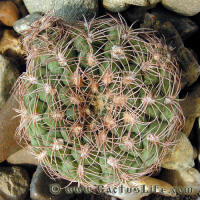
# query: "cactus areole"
(99, 100)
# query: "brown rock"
(9, 13)
(189, 123)
(23, 156)
(10, 41)
(185, 182)
(189, 65)
(191, 103)
(195, 153)
(180, 156)
(184, 7)
(115, 5)
(185, 26)
(22, 8)
(14, 183)
(141, 2)
(8, 126)
(42, 187)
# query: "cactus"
(99, 101)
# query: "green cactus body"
(98, 100)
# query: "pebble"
(22, 9)
(185, 26)
(115, 5)
(69, 10)
(10, 41)
(134, 13)
(24, 24)
(142, 2)
(189, 65)
(189, 123)
(44, 188)
(188, 180)
(195, 153)
(23, 156)
(191, 103)
(8, 125)
(181, 156)
(9, 13)
(184, 7)
(167, 29)
(14, 183)
(8, 75)
(198, 143)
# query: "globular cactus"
(99, 101)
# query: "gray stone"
(135, 13)
(181, 156)
(69, 10)
(8, 75)
(141, 2)
(198, 143)
(14, 183)
(184, 7)
(189, 65)
(23, 156)
(115, 5)
(187, 179)
(44, 188)
(167, 29)
(184, 25)
(191, 103)
(8, 124)
(24, 24)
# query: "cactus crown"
(99, 100)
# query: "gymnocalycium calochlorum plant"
(99, 100)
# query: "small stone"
(9, 13)
(141, 188)
(184, 7)
(189, 65)
(44, 188)
(191, 103)
(195, 153)
(180, 156)
(115, 5)
(8, 125)
(198, 142)
(24, 24)
(22, 157)
(187, 181)
(184, 25)
(134, 13)
(10, 41)
(189, 123)
(21, 7)
(69, 10)
(8, 76)
(167, 29)
(142, 2)
(14, 183)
